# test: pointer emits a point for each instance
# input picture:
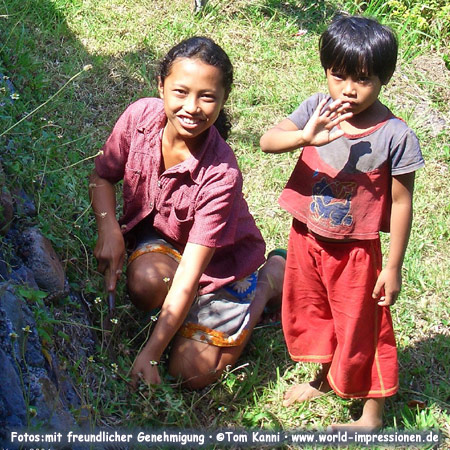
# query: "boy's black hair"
(355, 46)
(207, 51)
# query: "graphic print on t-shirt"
(331, 202)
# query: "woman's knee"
(198, 364)
(193, 376)
(147, 288)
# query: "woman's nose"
(191, 104)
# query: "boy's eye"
(179, 91)
(338, 75)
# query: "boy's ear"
(160, 87)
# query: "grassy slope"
(45, 42)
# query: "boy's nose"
(349, 88)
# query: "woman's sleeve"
(111, 164)
(217, 211)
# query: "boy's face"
(360, 92)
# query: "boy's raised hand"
(318, 130)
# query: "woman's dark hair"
(207, 51)
(357, 46)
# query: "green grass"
(46, 42)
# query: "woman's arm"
(110, 248)
(390, 277)
(286, 137)
(173, 312)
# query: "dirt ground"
(423, 91)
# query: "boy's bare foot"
(371, 419)
(357, 425)
(306, 391)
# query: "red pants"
(329, 315)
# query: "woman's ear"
(160, 87)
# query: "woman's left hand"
(144, 371)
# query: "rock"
(20, 317)
(12, 403)
(4, 272)
(23, 276)
(50, 407)
(48, 391)
(6, 205)
(25, 206)
(38, 255)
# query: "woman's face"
(193, 96)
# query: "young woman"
(194, 248)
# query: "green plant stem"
(85, 68)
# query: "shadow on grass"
(424, 392)
(41, 52)
(425, 373)
(310, 15)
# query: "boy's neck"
(365, 120)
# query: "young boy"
(354, 178)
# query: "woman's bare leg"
(148, 279)
(200, 364)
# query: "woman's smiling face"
(193, 96)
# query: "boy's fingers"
(376, 290)
(336, 135)
(319, 109)
(387, 300)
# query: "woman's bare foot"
(307, 391)
(371, 419)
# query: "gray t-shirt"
(391, 140)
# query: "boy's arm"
(173, 311)
(390, 278)
(286, 137)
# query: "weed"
(51, 133)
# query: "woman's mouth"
(188, 121)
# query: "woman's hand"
(110, 248)
(110, 254)
(142, 370)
